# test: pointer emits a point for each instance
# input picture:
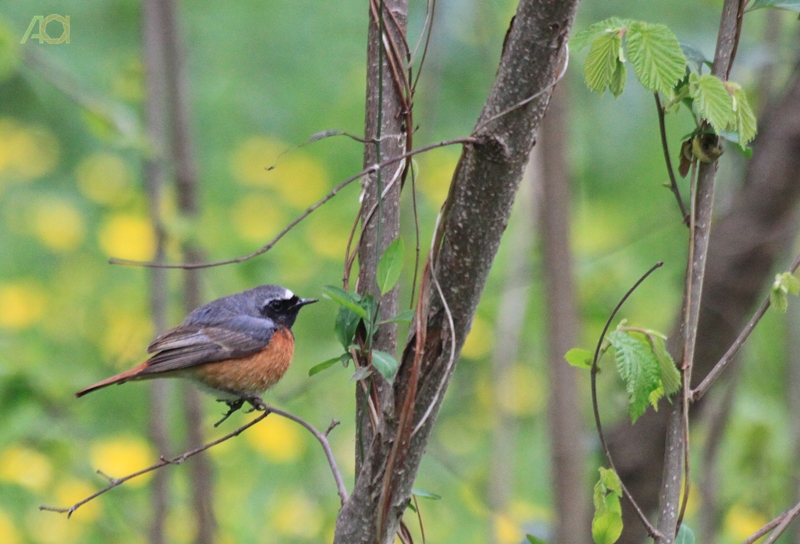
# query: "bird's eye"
(277, 305)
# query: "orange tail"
(119, 378)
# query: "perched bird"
(237, 346)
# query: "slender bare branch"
(779, 524)
(673, 183)
(722, 364)
(309, 211)
(596, 409)
(322, 438)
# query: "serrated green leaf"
(426, 494)
(585, 37)
(345, 326)
(639, 369)
(746, 124)
(712, 101)
(670, 376)
(685, 535)
(602, 61)
(617, 83)
(316, 369)
(341, 297)
(789, 5)
(655, 396)
(391, 265)
(534, 540)
(607, 527)
(406, 316)
(582, 358)
(610, 480)
(384, 363)
(657, 58)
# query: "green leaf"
(695, 56)
(656, 55)
(712, 101)
(670, 376)
(685, 535)
(341, 297)
(582, 358)
(617, 83)
(585, 37)
(384, 363)
(655, 396)
(391, 265)
(406, 316)
(607, 527)
(610, 480)
(361, 373)
(426, 494)
(316, 369)
(639, 369)
(746, 124)
(345, 326)
(534, 540)
(601, 64)
(789, 5)
(784, 285)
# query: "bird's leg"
(233, 406)
(256, 402)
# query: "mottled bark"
(473, 221)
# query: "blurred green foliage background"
(264, 77)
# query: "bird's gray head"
(266, 301)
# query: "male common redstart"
(237, 346)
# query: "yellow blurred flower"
(71, 491)
(278, 439)
(296, 515)
(127, 236)
(8, 533)
(25, 467)
(480, 339)
(22, 304)
(58, 224)
(435, 174)
(297, 177)
(46, 528)
(522, 391)
(506, 531)
(741, 522)
(181, 526)
(258, 218)
(120, 456)
(105, 178)
(29, 151)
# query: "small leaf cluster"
(643, 363)
(660, 64)
(361, 312)
(607, 521)
(784, 285)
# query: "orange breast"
(254, 374)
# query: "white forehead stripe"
(287, 295)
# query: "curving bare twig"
(322, 438)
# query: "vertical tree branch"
(703, 200)
(386, 134)
(186, 181)
(155, 169)
(567, 453)
(471, 226)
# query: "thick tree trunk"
(472, 224)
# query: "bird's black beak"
(303, 301)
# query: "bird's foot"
(233, 406)
(256, 403)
